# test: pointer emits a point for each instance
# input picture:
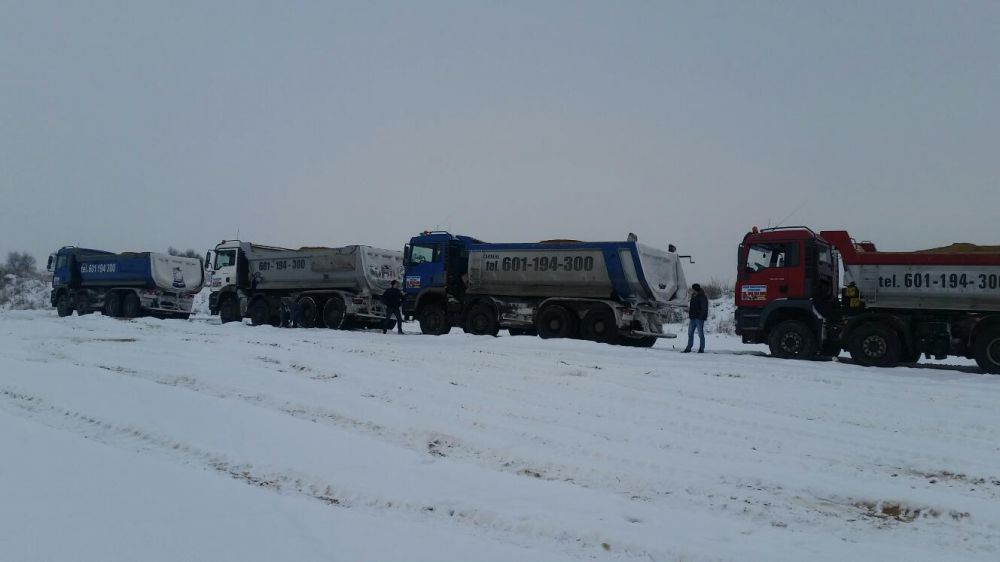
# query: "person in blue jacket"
(698, 313)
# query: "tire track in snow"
(287, 482)
(633, 479)
(432, 442)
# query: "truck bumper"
(159, 301)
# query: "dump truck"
(332, 287)
(611, 292)
(890, 307)
(123, 285)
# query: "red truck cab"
(787, 281)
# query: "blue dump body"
(118, 270)
(82, 268)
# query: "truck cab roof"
(443, 236)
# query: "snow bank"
(24, 292)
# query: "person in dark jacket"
(286, 313)
(698, 313)
(392, 298)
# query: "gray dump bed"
(351, 268)
(920, 286)
(577, 270)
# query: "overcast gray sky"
(138, 125)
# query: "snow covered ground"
(170, 440)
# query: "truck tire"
(260, 312)
(308, 312)
(556, 321)
(112, 305)
(875, 345)
(792, 339)
(229, 310)
(334, 313)
(481, 320)
(131, 307)
(434, 320)
(987, 350)
(64, 306)
(599, 325)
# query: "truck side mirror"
(208, 259)
(406, 253)
(48, 266)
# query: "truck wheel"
(64, 307)
(112, 305)
(333, 313)
(130, 306)
(308, 311)
(875, 345)
(229, 310)
(599, 325)
(434, 320)
(792, 339)
(260, 312)
(556, 321)
(481, 320)
(987, 350)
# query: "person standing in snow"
(286, 312)
(392, 298)
(698, 313)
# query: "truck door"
(456, 265)
(770, 271)
(62, 273)
(424, 267)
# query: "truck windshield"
(423, 254)
(766, 256)
(224, 258)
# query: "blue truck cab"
(434, 261)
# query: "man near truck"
(392, 298)
(698, 313)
